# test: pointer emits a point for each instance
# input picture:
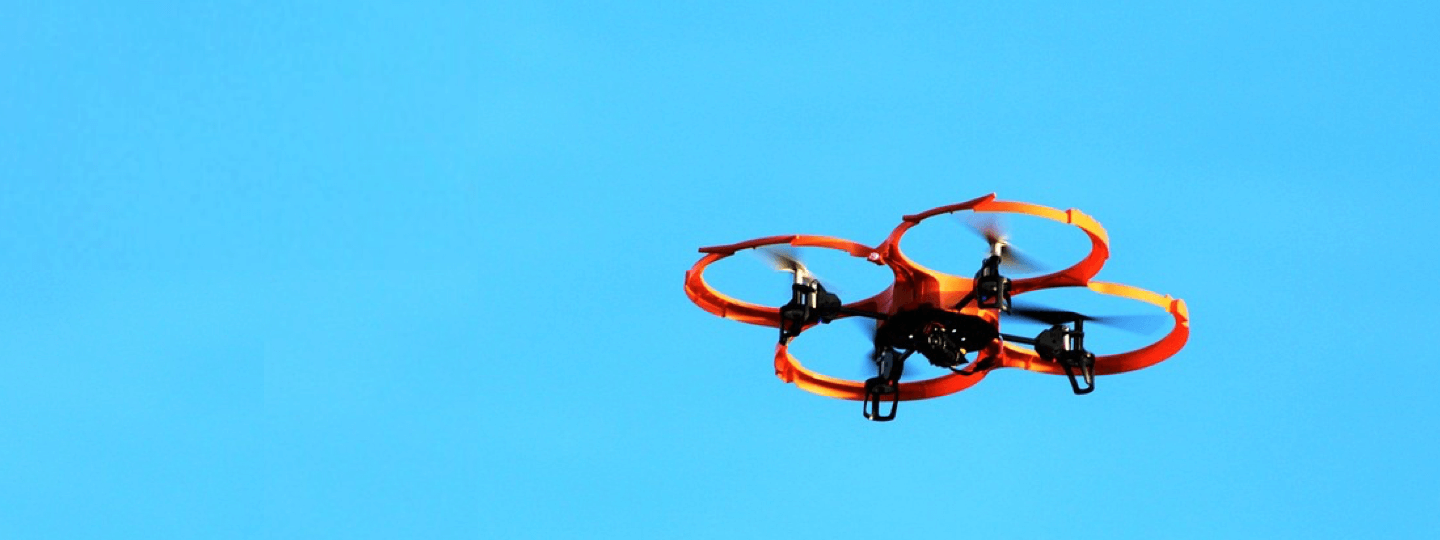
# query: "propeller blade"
(986, 226)
(783, 259)
(1135, 324)
(1139, 324)
(990, 228)
(871, 327)
(908, 370)
(1044, 315)
(1013, 259)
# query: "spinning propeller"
(1064, 342)
(823, 306)
(876, 357)
(785, 260)
(993, 232)
(809, 302)
(1137, 324)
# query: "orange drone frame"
(926, 301)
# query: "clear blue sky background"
(329, 270)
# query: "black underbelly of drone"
(944, 337)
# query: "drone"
(953, 322)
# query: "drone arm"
(1018, 339)
(965, 300)
(982, 363)
(862, 313)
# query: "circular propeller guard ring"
(1077, 274)
(718, 303)
(789, 369)
(1110, 364)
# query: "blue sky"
(372, 271)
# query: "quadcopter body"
(953, 322)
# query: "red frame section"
(917, 286)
